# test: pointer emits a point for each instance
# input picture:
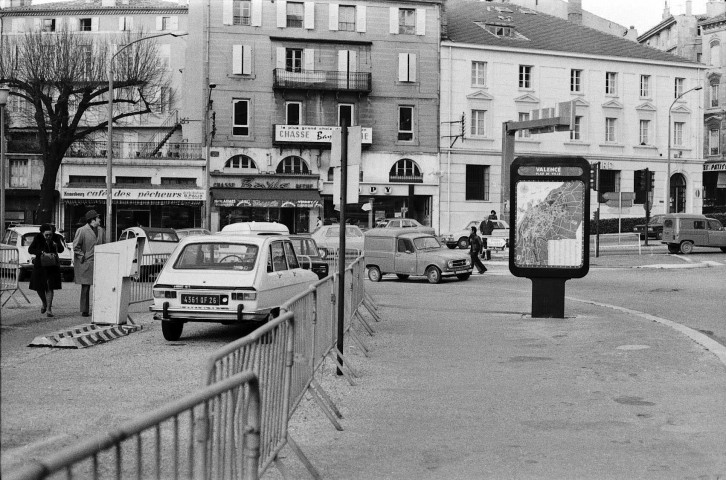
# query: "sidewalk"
(452, 392)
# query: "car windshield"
(217, 256)
(656, 220)
(426, 243)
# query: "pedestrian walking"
(46, 275)
(474, 251)
(87, 237)
(493, 215)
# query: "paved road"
(461, 383)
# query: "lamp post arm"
(668, 164)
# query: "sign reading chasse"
(133, 194)
(313, 134)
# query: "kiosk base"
(548, 297)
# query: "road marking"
(705, 341)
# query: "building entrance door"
(678, 193)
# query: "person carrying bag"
(46, 275)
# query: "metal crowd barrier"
(210, 434)
(332, 258)
(617, 241)
(10, 274)
(151, 265)
(312, 337)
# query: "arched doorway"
(678, 193)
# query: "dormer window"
(502, 30)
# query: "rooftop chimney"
(666, 11)
(574, 11)
(689, 7)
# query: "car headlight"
(450, 264)
(467, 262)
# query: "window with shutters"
(293, 113)
(405, 123)
(241, 118)
(125, 23)
(165, 23)
(406, 67)
(85, 25)
(293, 59)
(19, 173)
(477, 182)
(346, 18)
(241, 12)
(295, 14)
(407, 21)
(241, 60)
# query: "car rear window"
(217, 256)
(162, 236)
(28, 239)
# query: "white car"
(227, 279)
(498, 239)
(327, 238)
(160, 242)
(22, 236)
(404, 223)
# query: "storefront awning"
(266, 198)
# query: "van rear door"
(716, 234)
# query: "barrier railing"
(210, 434)
(9, 274)
(332, 257)
(313, 338)
(617, 241)
(151, 265)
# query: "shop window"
(405, 170)
(477, 182)
(241, 162)
(294, 165)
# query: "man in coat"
(87, 237)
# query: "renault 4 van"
(407, 253)
(683, 231)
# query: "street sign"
(617, 204)
(616, 195)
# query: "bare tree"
(62, 77)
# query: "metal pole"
(109, 151)
(2, 170)
(668, 165)
(341, 250)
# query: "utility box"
(114, 265)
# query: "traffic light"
(650, 180)
(595, 176)
(640, 181)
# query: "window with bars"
(525, 76)
(477, 182)
(405, 170)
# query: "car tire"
(723, 249)
(463, 242)
(374, 274)
(463, 276)
(433, 274)
(451, 245)
(171, 330)
(673, 248)
(687, 247)
(402, 276)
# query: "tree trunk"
(46, 208)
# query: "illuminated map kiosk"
(550, 227)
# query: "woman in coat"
(45, 280)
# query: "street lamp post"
(109, 144)
(668, 167)
(4, 92)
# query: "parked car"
(22, 236)
(227, 279)
(185, 232)
(404, 223)
(160, 242)
(327, 238)
(306, 248)
(256, 228)
(683, 231)
(655, 228)
(498, 239)
(407, 253)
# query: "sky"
(643, 14)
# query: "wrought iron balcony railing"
(405, 178)
(323, 80)
(144, 150)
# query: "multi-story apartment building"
(157, 173)
(500, 62)
(677, 34)
(276, 77)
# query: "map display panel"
(549, 230)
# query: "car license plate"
(190, 299)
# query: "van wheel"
(402, 276)
(463, 276)
(673, 248)
(687, 247)
(433, 274)
(171, 330)
(374, 274)
(451, 245)
(463, 242)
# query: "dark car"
(655, 228)
(306, 247)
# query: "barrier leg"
(359, 341)
(325, 408)
(364, 323)
(314, 383)
(335, 353)
(308, 465)
(372, 309)
(12, 295)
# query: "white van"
(255, 228)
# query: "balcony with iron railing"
(142, 150)
(405, 178)
(323, 80)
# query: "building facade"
(157, 173)
(500, 62)
(279, 78)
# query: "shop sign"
(133, 194)
(232, 202)
(313, 134)
(714, 167)
(268, 184)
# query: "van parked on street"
(683, 231)
(406, 253)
